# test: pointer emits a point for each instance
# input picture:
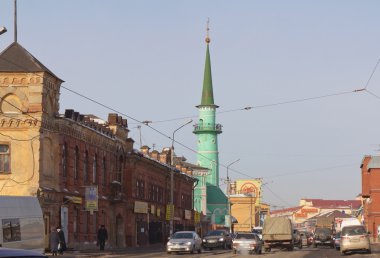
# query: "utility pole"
(172, 178)
(228, 196)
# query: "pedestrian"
(102, 237)
(62, 241)
(54, 240)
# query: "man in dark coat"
(102, 236)
(62, 241)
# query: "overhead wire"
(226, 111)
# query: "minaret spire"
(207, 92)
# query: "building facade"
(370, 172)
(83, 169)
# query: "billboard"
(250, 188)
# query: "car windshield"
(180, 235)
(257, 231)
(325, 231)
(353, 231)
(245, 236)
(215, 233)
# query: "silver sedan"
(184, 241)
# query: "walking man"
(62, 241)
(102, 236)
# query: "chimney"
(112, 118)
(155, 154)
(69, 113)
(145, 150)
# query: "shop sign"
(91, 195)
(187, 214)
(141, 207)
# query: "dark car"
(217, 238)
(323, 237)
(11, 252)
(297, 238)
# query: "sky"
(297, 63)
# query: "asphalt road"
(321, 252)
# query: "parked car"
(247, 242)
(323, 236)
(184, 241)
(217, 238)
(12, 252)
(354, 238)
(337, 240)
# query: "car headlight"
(221, 239)
(188, 243)
(169, 243)
(204, 240)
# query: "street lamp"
(228, 196)
(3, 30)
(172, 178)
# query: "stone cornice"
(25, 123)
(80, 132)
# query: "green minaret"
(208, 197)
(207, 130)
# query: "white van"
(21, 223)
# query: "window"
(11, 230)
(5, 158)
(76, 163)
(85, 167)
(64, 160)
(94, 166)
(140, 191)
(104, 172)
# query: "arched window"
(94, 169)
(85, 167)
(120, 169)
(76, 163)
(64, 160)
(104, 172)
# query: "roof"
(15, 58)
(374, 162)
(290, 209)
(215, 195)
(333, 214)
(207, 92)
(332, 204)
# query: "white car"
(184, 241)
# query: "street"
(276, 253)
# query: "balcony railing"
(201, 128)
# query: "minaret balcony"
(207, 128)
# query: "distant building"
(309, 208)
(370, 172)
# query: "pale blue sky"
(146, 59)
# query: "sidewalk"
(128, 250)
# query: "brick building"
(84, 170)
(370, 172)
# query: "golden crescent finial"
(208, 40)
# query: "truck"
(21, 223)
(278, 233)
(323, 232)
